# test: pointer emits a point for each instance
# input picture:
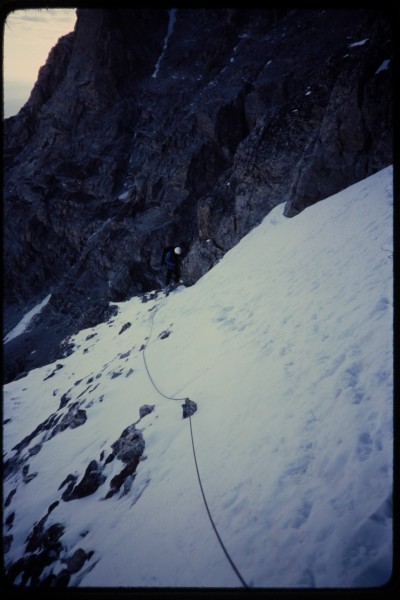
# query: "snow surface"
(286, 346)
(25, 321)
(171, 25)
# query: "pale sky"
(29, 35)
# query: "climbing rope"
(147, 368)
(242, 581)
(209, 513)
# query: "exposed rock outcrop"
(45, 546)
(131, 140)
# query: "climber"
(172, 261)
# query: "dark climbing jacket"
(171, 259)
(169, 250)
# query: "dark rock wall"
(128, 143)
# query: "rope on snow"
(189, 408)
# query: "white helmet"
(178, 250)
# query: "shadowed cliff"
(148, 127)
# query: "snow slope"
(286, 346)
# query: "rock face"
(44, 545)
(149, 126)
